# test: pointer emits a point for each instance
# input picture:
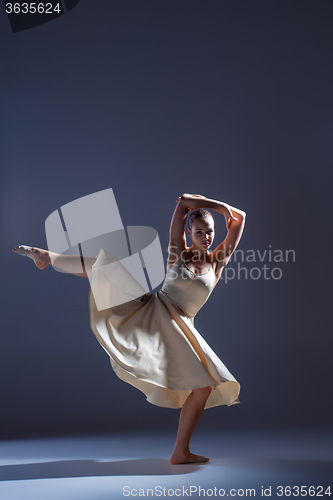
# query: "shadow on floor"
(279, 464)
(91, 468)
(154, 467)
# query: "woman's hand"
(189, 197)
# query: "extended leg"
(70, 263)
(188, 419)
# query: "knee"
(203, 392)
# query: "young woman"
(152, 342)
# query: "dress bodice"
(188, 290)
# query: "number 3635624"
(32, 8)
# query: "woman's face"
(202, 232)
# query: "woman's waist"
(185, 308)
(178, 303)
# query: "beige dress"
(153, 343)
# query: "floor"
(242, 464)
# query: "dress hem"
(164, 397)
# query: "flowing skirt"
(155, 347)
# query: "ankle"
(48, 258)
(180, 448)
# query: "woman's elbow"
(241, 216)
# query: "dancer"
(152, 341)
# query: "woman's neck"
(199, 255)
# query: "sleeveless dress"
(153, 343)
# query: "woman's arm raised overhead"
(177, 238)
(234, 218)
(196, 201)
(224, 250)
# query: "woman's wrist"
(225, 209)
(196, 201)
(191, 202)
(216, 205)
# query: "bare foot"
(186, 458)
(40, 257)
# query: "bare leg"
(188, 419)
(69, 263)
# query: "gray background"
(231, 100)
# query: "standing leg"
(188, 419)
